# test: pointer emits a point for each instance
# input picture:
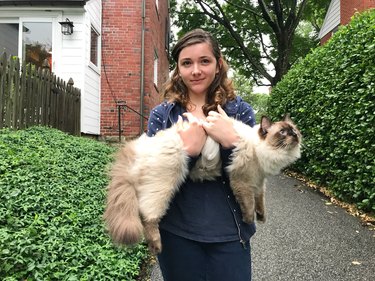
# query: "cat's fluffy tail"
(122, 211)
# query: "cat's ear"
(287, 117)
(265, 124)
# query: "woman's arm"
(155, 121)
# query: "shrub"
(331, 96)
(52, 194)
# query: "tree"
(243, 88)
(260, 38)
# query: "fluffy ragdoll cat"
(261, 151)
(148, 172)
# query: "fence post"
(30, 96)
(3, 71)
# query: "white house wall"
(71, 53)
(332, 19)
(90, 120)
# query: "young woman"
(203, 236)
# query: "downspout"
(142, 66)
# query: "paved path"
(305, 239)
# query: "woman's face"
(197, 68)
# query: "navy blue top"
(204, 211)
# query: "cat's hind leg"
(260, 209)
(245, 197)
(152, 207)
(152, 236)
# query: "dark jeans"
(186, 260)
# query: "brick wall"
(156, 43)
(325, 38)
(121, 62)
(349, 7)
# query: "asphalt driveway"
(307, 238)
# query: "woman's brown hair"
(221, 89)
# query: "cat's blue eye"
(283, 132)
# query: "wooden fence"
(30, 97)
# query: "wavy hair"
(221, 89)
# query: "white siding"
(90, 116)
(71, 53)
(71, 61)
(332, 18)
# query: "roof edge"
(74, 3)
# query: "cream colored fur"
(257, 156)
(149, 171)
(144, 178)
(146, 174)
(208, 166)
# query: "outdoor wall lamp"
(66, 27)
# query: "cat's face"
(280, 135)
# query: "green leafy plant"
(52, 194)
(259, 104)
(330, 94)
(244, 88)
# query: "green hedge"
(331, 96)
(52, 195)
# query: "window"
(33, 45)
(9, 38)
(156, 59)
(37, 43)
(94, 47)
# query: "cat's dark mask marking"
(285, 129)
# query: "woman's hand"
(220, 127)
(192, 134)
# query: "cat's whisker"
(280, 144)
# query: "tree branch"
(279, 13)
(268, 17)
(226, 23)
(264, 47)
(244, 8)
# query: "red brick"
(121, 62)
(349, 7)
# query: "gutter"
(142, 66)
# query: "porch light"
(66, 27)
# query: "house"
(340, 13)
(117, 54)
(134, 63)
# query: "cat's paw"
(261, 217)
(248, 218)
(155, 247)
